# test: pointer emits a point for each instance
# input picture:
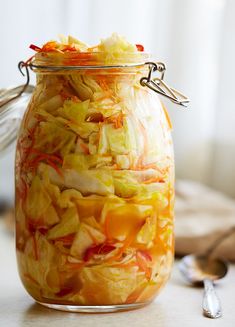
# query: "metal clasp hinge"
(158, 85)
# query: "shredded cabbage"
(109, 285)
(68, 225)
(96, 181)
(74, 111)
(86, 236)
(38, 200)
(116, 44)
(52, 138)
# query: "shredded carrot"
(136, 294)
(28, 60)
(56, 168)
(145, 254)
(47, 156)
(125, 265)
(142, 261)
(79, 58)
(103, 84)
(152, 180)
(35, 161)
(139, 47)
(35, 47)
(35, 248)
(108, 92)
(49, 46)
(167, 116)
(43, 230)
(117, 120)
(98, 249)
(84, 148)
(22, 189)
(69, 47)
(74, 266)
(66, 240)
(126, 244)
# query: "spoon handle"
(210, 304)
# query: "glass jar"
(94, 186)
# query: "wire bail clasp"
(9, 95)
(158, 85)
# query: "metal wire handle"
(158, 85)
(19, 90)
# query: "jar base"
(94, 308)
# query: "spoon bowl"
(196, 269)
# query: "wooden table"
(178, 305)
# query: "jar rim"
(53, 61)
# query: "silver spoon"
(202, 269)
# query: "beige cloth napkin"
(202, 216)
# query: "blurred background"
(195, 38)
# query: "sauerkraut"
(94, 181)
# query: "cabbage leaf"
(69, 224)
